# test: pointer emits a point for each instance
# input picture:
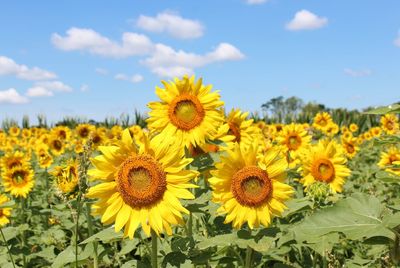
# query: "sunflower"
(13, 159)
(141, 185)
(322, 120)
(390, 123)
(350, 147)
(324, 162)
(250, 186)
(57, 146)
(5, 213)
(19, 181)
(237, 129)
(83, 130)
(375, 131)
(389, 158)
(188, 112)
(62, 132)
(66, 177)
(293, 137)
(43, 156)
(14, 131)
(331, 130)
(353, 127)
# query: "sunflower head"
(293, 137)
(250, 186)
(390, 123)
(390, 158)
(324, 162)
(66, 177)
(142, 184)
(19, 181)
(322, 120)
(188, 112)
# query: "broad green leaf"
(394, 108)
(358, 217)
(106, 236)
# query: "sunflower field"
(197, 186)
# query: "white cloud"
(357, 73)
(305, 20)
(91, 41)
(12, 96)
(172, 24)
(397, 40)
(47, 89)
(255, 2)
(167, 62)
(101, 71)
(136, 78)
(10, 67)
(84, 88)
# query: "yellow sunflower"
(375, 131)
(389, 158)
(322, 121)
(66, 177)
(14, 131)
(250, 186)
(13, 159)
(43, 156)
(5, 213)
(83, 130)
(141, 185)
(350, 147)
(188, 112)
(19, 181)
(390, 123)
(324, 162)
(57, 146)
(62, 132)
(293, 137)
(237, 129)
(353, 127)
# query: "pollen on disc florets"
(141, 181)
(323, 170)
(186, 112)
(251, 186)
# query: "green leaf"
(106, 236)
(358, 216)
(394, 108)
(297, 205)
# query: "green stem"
(154, 250)
(249, 257)
(90, 229)
(8, 250)
(190, 225)
(78, 210)
(23, 221)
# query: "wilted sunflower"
(322, 121)
(237, 129)
(390, 158)
(324, 162)
(5, 213)
(390, 123)
(18, 181)
(66, 177)
(187, 113)
(141, 185)
(250, 187)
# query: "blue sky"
(68, 57)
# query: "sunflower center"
(141, 181)
(293, 142)
(350, 148)
(57, 145)
(1, 213)
(251, 186)
(235, 131)
(323, 122)
(393, 158)
(323, 170)
(186, 112)
(84, 132)
(18, 177)
(390, 125)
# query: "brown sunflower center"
(84, 132)
(390, 125)
(251, 186)
(323, 170)
(186, 112)
(1, 213)
(141, 181)
(57, 145)
(18, 177)
(293, 142)
(393, 158)
(350, 148)
(235, 131)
